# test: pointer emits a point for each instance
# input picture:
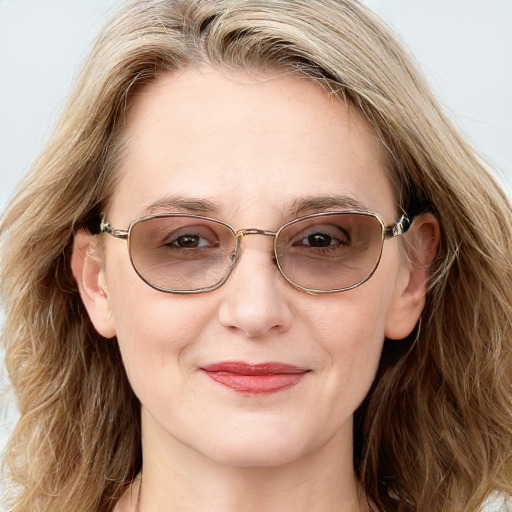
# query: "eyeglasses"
(320, 253)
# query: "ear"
(422, 242)
(87, 269)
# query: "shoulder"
(498, 502)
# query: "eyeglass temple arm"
(105, 227)
(400, 227)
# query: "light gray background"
(464, 47)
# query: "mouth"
(255, 379)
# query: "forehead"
(240, 141)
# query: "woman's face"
(248, 151)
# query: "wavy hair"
(434, 433)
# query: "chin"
(260, 449)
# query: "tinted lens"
(330, 252)
(181, 253)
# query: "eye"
(320, 240)
(319, 237)
(190, 241)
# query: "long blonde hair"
(435, 432)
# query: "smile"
(255, 379)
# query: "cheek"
(351, 322)
(350, 329)
(155, 330)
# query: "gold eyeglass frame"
(400, 227)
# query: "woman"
(256, 268)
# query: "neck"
(177, 478)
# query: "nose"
(256, 296)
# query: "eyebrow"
(181, 204)
(301, 206)
(298, 207)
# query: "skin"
(252, 146)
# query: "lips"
(256, 379)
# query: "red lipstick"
(255, 379)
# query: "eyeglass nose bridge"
(250, 231)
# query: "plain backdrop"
(463, 46)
